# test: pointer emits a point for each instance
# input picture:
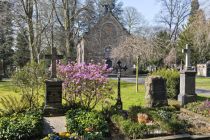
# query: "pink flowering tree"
(86, 84)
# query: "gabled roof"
(102, 19)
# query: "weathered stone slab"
(54, 125)
(156, 95)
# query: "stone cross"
(53, 58)
(186, 51)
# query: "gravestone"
(53, 95)
(187, 81)
(203, 69)
(1, 69)
(156, 95)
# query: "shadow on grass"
(201, 98)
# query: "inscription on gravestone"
(155, 91)
(54, 93)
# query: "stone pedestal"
(156, 95)
(187, 87)
(53, 98)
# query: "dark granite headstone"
(187, 87)
(53, 95)
(54, 92)
(156, 95)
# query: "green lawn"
(203, 83)
(128, 91)
(6, 88)
(129, 95)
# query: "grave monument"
(53, 95)
(187, 80)
(156, 95)
(203, 69)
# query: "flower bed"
(21, 126)
(62, 136)
(202, 108)
(148, 122)
(90, 124)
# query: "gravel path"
(131, 79)
(54, 124)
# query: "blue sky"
(150, 8)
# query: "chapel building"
(97, 44)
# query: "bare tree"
(135, 46)
(66, 12)
(27, 13)
(28, 6)
(173, 14)
(170, 59)
(136, 49)
(200, 29)
(133, 20)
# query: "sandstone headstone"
(156, 95)
(203, 69)
(1, 69)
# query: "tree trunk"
(31, 39)
(137, 74)
(67, 27)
